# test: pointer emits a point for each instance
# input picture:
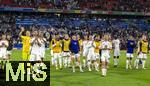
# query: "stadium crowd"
(65, 24)
(103, 5)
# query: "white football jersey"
(84, 44)
(42, 42)
(35, 47)
(90, 46)
(3, 42)
(106, 44)
(116, 44)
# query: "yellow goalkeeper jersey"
(97, 44)
(26, 43)
(56, 46)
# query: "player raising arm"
(26, 44)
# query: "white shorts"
(65, 54)
(76, 55)
(35, 55)
(56, 56)
(142, 55)
(116, 52)
(42, 54)
(3, 53)
(105, 57)
(85, 52)
(129, 55)
(91, 56)
(97, 56)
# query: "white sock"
(130, 65)
(137, 63)
(80, 66)
(56, 64)
(143, 63)
(84, 63)
(73, 68)
(52, 60)
(95, 64)
(69, 61)
(65, 62)
(127, 64)
(89, 65)
(115, 61)
(103, 71)
(60, 62)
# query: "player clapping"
(105, 47)
(35, 47)
(42, 41)
(97, 44)
(57, 50)
(3, 50)
(85, 50)
(3, 47)
(91, 54)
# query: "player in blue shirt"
(75, 56)
(130, 50)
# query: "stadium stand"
(104, 5)
(68, 24)
(53, 24)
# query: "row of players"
(33, 46)
(95, 51)
(69, 50)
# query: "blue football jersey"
(130, 46)
(74, 46)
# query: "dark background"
(25, 82)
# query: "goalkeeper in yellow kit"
(26, 44)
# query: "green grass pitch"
(115, 76)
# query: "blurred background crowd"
(74, 24)
(103, 5)
(54, 23)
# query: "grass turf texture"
(115, 76)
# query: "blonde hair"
(106, 37)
